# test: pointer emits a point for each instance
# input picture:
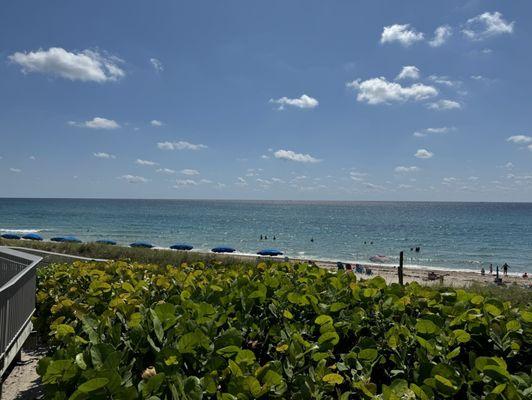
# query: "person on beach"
(348, 268)
(505, 269)
(260, 237)
(491, 269)
(482, 271)
(525, 275)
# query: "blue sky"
(379, 100)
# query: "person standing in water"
(505, 269)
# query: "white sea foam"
(23, 231)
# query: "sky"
(302, 100)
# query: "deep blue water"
(451, 235)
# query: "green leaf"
(513, 325)
(461, 336)
(333, 379)
(526, 316)
(93, 384)
(63, 330)
(368, 354)
(426, 326)
(335, 307)
(323, 319)
(329, 339)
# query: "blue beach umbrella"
(106, 241)
(270, 252)
(145, 245)
(65, 239)
(10, 236)
(223, 249)
(32, 236)
(181, 246)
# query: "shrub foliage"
(127, 330)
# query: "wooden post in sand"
(400, 269)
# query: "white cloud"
(520, 139)
(241, 181)
(289, 155)
(357, 176)
(157, 64)
(444, 80)
(302, 102)
(180, 145)
(406, 169)
(133, 178)
(185, 182)
(487, 25)
(97, 123)
(408, 72)
(441, 34)
(427, 131)
(449, 180)
(31, 157)
(509, 165)
(379, 90)
(423, 153)
(265, 157)
(444, 105)
(189, 172)
(400, 33)
(165, 171)
(103, 155)
(87, 65)
(145, 162)
(155, 122)
(16, 170)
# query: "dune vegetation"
(213, 330)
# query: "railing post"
(400, 269)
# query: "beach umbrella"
(181, 246)
(270, 252)
(65, 239)
(106, 241)
(10, 236)
(223, 249)
(145, 245)
(32, 236)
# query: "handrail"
(17, 301)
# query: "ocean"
(461, 236)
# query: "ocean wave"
(23, 231)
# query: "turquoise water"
(450, 235)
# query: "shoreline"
(451, 277)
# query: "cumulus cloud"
(357, 176)
(165, 171)
(520, 139)
(406, 169)
(145, 162)
(97, 123)
(290, 155)
(133, 178)
(408, 72)
(103, 155)
(302, 102)
(487, 25)
(441, 34)
(379, 90)
(16, 170)
(180, 145)
(157, 64)
(87, 65)
(423, 153)
(444, 105)
(402, 34)
(155, 122)
(189, 172)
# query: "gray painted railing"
(17, 302)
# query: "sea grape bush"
(272, 331)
